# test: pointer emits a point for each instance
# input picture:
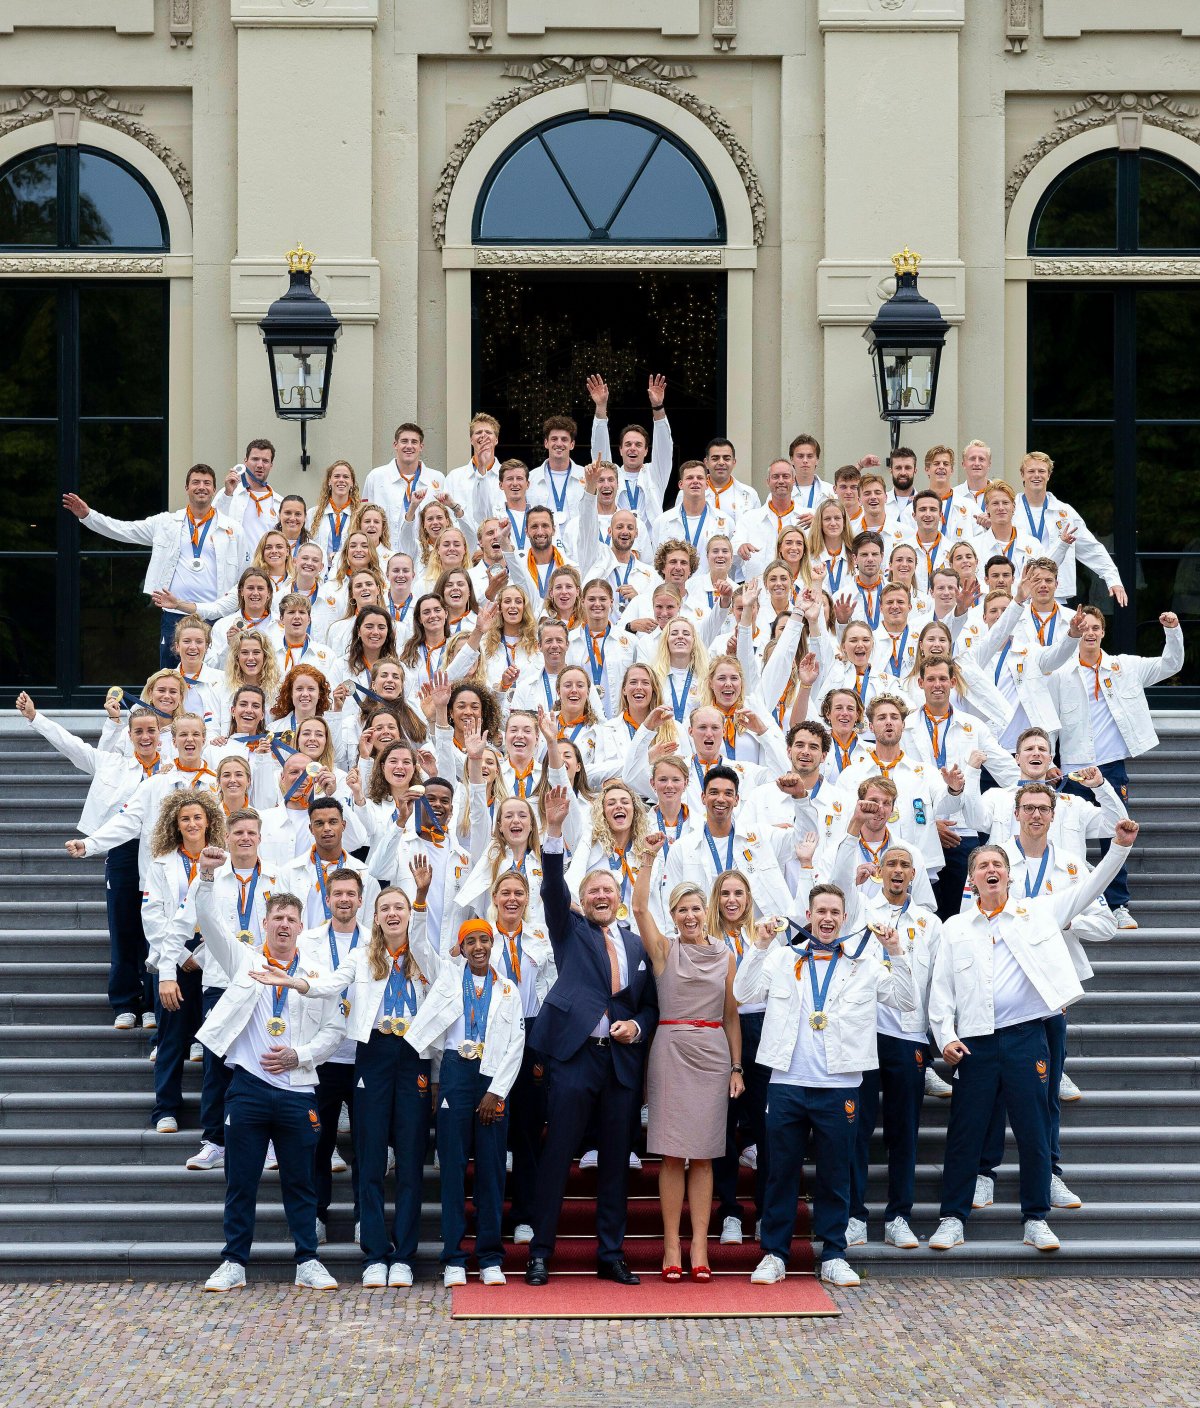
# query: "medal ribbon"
(1003, 657)
(189, 863)
(1032, 894)
(337, 522)
(862, 678)
(323, 873)
(205, 524)
(1041, 626)
(560, 500)
(937, 739)
(664, 827)
(246, 889)
(729, 730)
(518, 533)
(596, 653)
(476, 1006)
(821, 990)
(410, 485)
(930, 558)
(844, 751)
(886, 768)
(864, 591)
(620, 861)
(678, 705)
(898, 645)
(873, 853)
(400, 995)
(632, 497)
(573, 724)
(712, 847)
(835, 578)
(513, 952)
(280, 998)
(1038, 528)
(688, 538)
(733, 942)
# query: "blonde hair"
(601, 831)
(260, 562)
(698, 659)
(717, 924)
(323, 497)
(268, 681)
(379, 960)
(527, 638)
(435, 566)
(166, 837)
(153, 679)
(345, 571)
(816, 534)
(385, 535)
(706, 692)
(497, 846)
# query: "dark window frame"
(598, 234)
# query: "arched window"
(77, 198)
(582, 178)
(1119, 203)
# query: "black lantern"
(906, 341)
(300, 334)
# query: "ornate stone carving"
(547, 74)
(180, 26)
(1096, 109)
(35, 104)
(86, 264)
(1017, 26)
(1133, 267)
(588, 255)
(724, 30)
(479, 32)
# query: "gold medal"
(399, 1026)
(470, 1050)
(245, 937)
(116, 692)
(877, 928)
(417, 791)
(276, 1026)
(818, 1021)
(314, 769)
(345, 1007)
(622, 911)
(385, 1026)
(1078, 776)
(778, 923)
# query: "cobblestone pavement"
(918, 1344)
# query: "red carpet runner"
(575, 1291)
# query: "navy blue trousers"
(176, 1032)
(255, 1114)
(391, 1110)
(461, 1135)
(1013, 1065)
(583, 1086)
(526, 1121)
(993, 1145)
(747, 1119)
(829, 1115)
(335, 1088)
(1117, 893)
(899, 1086)
(216, 1081)
(130, 987)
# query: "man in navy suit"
(593, 1026)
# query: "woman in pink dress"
(695, 1061)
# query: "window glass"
(114, 207)
(1071, 351)
(121, 369)
(1082, 211)
(528, 200)
(599, 185)
(28, 351)
(1168, 207)
(29, 455)
(28, 201)
(670, 201)
(118, 632)
(28, 621)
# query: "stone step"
(68, 975)
(37, 945)
(83, 913)
(44, 863)
(1112, 1039)
(1131, 977)
(101, 1075)
(1159, 1106)
(81, 1109)
(78, 1042)
(39, 762)
(1157, 1006)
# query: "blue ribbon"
(683, 518)
(518, 533)
(477, 1006)
(1041, 875)
(560, 500)
(400, 995)
(245, 911)
(712, 846)
(1038, 528)
(679, 706)
(279, 1000)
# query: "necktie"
(612, 961)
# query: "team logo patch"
(539, 1071)
(1040, 1067)
(422, 1083)
(314, 1119)
(851, 1108)
(920, 1057)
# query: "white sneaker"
(344, 1120)
(322, 1238)
(898, 1233)
(1068, 1090)
(152, 1055)
(150, 1024)
(856, 1233)
(454, 1276)
(229, 1276)
(375, 1277)
(949, 1234)
(492, 1276)
(634, 1161)
(337, 1164)
(985, 1189)
(196, 1052)
(508, 1162)
(167, 1125)
(400, 1276)
(125, 1021)
(748, 1158)
(768, 1271)
(1124, 920)
(270, 1161)
(645, 1116)
(391, 1163)
(1061, 1196)
(312, 1274)
(590, 1159)
(936, 1086)
(1039, 1235)
(838, 1273)
(731, 1232)
(523, 1235)
(209, 1156)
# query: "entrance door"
(83, 407)
(539, 335)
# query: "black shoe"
(617, 1271)
(536, 1273)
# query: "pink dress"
(688, 1076)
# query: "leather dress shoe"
(617, 1271)
(536, 1272)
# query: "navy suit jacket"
(583, 991)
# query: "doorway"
(538, 335)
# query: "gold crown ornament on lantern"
(301, 260)
(906, 261)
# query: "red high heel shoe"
(672, 1273)
(701, 1273)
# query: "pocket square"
(642, 966)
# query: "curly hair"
(378, 787)
(664, 550)
(268, 682)
(323, 496)
(527, 637)
(602, 832)
(489, 707)
(283, 705)
(166, 837)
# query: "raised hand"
(597, 389)
(806, 848)
(232, 479)
(1126, 832)
(591, 476)
(355, 787)
(1075, 629)
(547, 724)
(211, 860)
(954, 779)
(843, 609)
(474, 741)
(653, 842)
(25, 706)
(1168, 620)
(422, 873)
(74, 504)
(808, 671)
(558, 805)
(1119, 594)
(657, 391)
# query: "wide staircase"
(89, 1192)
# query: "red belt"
(688, 1022)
